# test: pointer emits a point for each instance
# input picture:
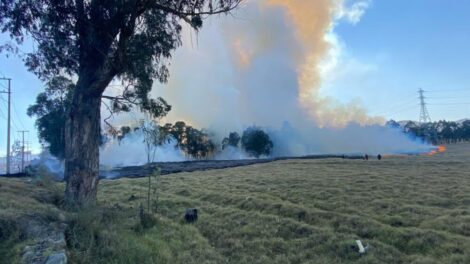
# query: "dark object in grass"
(190, 215)
(379, 157)
(132, 198)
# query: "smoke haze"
(264, 66)
(130, 151)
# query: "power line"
(450, 103)
(449, 97)
(5, 103)
(399, 109)
(395, 105)
(18, 116)
(1, 111)
(449, 90)
(404, 109)
(14, 124)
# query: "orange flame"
(440, 149)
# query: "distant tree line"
(436, 132)
(198, 144)
(193, 142)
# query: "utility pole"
(22, 149)
(8, 121)
(423, 115)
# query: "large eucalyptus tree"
(95, 42)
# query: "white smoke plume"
(264, 66)
(130, 151)
(232, 153)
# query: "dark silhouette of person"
(366, 157)
(379, 157)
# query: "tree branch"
(111, 114)
(119, 98)
(183, 14)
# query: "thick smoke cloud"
(264, 66)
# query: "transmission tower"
(423, 115)
(425, 120)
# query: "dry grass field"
(410, 209)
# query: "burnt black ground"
(199, 165)
(187, 166)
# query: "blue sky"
(410, 45)
(25, 86)
(396, 48)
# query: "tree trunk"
(82, 148)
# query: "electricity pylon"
(424, 114)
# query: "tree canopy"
(191, 141)
(95, 42)
(232, 140)
(50, 111)
(436, 132)
(256, 142)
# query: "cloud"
(352, 11)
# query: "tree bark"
(82, 147)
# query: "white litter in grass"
(362, 249)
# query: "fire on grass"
(439, 149)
